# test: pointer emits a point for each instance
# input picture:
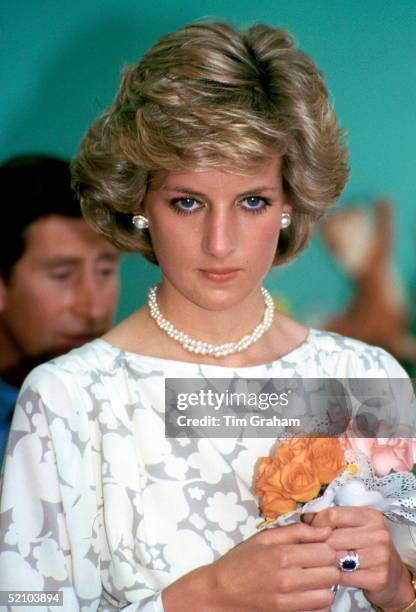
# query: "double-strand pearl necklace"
(205, 348)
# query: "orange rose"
(273, 505)
(299, 481)
(268, 486)
(327, 457)
(296, 472)
(295, 449)
(265, 469)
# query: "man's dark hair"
(31, 187)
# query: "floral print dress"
(97, 503)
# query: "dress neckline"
(161, 362)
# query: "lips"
(221, 270)
(220, 274)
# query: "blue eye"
(184, 205)
(254, 203)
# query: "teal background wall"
(60, 64)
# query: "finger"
(320, 610)
(307, 517)
(361, 579)
(294, 534)
(348, 516)
(306, 555)
(307, 579)
(316, 599)
(358, 538)
(368, 557)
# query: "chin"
(219, 301)
(61, 349)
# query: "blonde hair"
(209, 96)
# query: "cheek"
(40, 301)
(108, 299)
(265, 241)
(113, 293)
(32, 324)
(170, 246)
(271, 234)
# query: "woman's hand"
(278, 569)
(382, 575)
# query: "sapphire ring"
(349, 562)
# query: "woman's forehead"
(269, 169)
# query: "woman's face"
(215, 233)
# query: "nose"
(219, 235)
(93, 302)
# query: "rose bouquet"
(310, 474)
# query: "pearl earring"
(140, 222)
(286, 220)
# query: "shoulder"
(76, 368)
(359, 358)
(59, 394)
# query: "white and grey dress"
(98, 503)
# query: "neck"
(214, 326)
(140, 334)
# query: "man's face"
(62, 292)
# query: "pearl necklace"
(205, 348)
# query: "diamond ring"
(349, 562)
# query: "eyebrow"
(55, 262)
(190, 191)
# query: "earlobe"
(286, 220)
(140, 222)
(287, 207)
